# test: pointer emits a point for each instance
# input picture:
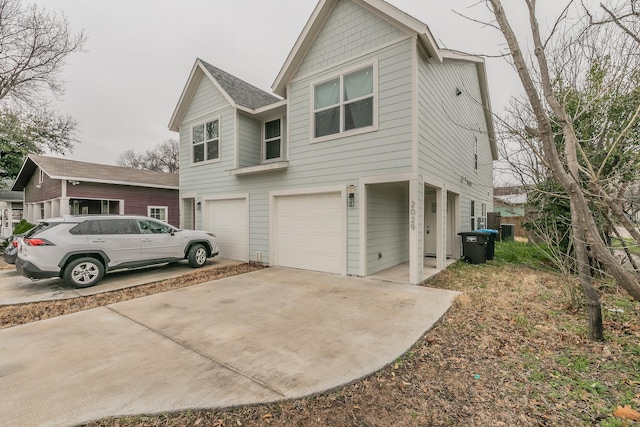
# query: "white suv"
(81, 249)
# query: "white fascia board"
(103, 181)
(405, 21)
(317, 18)
(187, 93)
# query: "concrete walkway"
(263, 336)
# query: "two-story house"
(375, 150)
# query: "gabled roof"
(237, 92)
(73, 170)
(321, 13)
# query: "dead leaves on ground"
(627, 413)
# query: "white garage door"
(228, 220)
(310, 232)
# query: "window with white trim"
(272, 140)
(344, 103)
(205, 141)
(158, 212)
(40, 176)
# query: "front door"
(430, 224)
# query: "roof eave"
(116, 182)
(187, 93)
(314, 23)
(17, 184)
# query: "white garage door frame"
(225, 197)
(273, 213)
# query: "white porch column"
(416, 230)
(55, 208)
(63, 205)
(47, 210)
(441, 228)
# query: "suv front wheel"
(83, 272)
(197, 256)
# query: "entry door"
(430, 224)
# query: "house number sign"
(412, 215)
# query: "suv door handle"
(99, 241)
(146, 240)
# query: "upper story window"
(40, 176)
(344, 103)
(205, 141)
(272, 146)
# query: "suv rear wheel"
(83, 272)
(197, 256)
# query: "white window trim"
(191, 145)
(264, 140)
(40, 176)
(341, 134)
(166, 212)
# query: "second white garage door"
(228, 220)
(310, 232)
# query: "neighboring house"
(510, 201)
(54, 187)
(377, 149)
(10, 208)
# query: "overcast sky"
(123, 89)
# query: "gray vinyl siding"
(388, 226)
(447, 128)
(249, 141)
(348, 31)
(206, 99)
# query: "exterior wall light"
(351, 196)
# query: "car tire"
(83, 272)
(197, 256)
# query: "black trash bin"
(491, 244)
(474, 246)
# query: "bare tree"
(34, 45)
(544, 77)
(163, 157)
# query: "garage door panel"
(228, 220)
(310, 232)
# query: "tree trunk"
(594, 309)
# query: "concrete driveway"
(263, 336)
(17, 289)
